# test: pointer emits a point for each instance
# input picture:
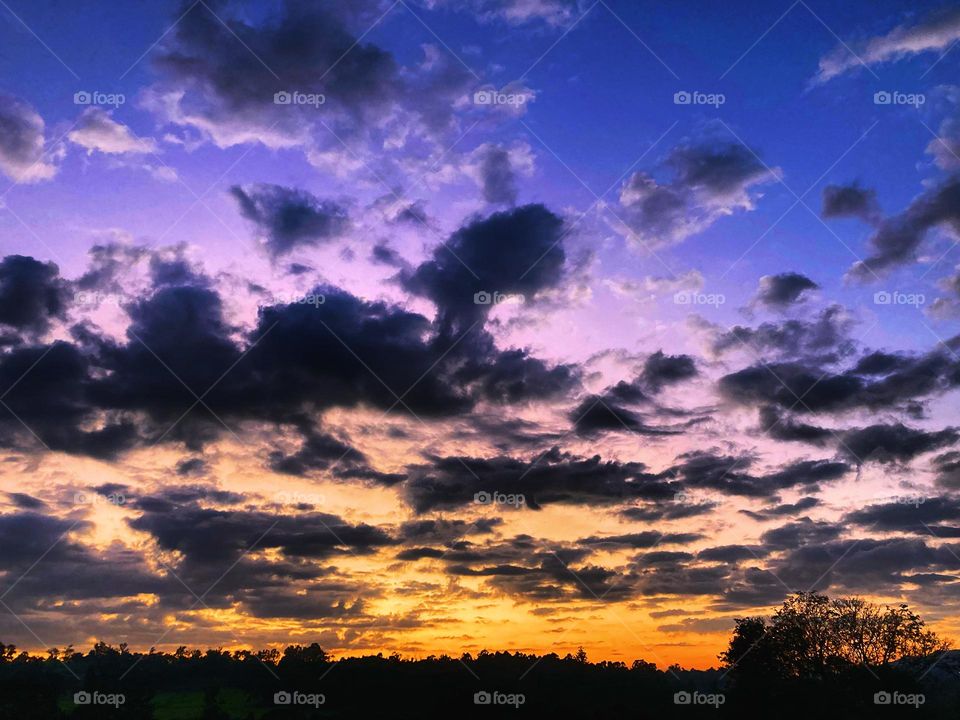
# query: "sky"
(430, 326)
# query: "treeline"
(845, 657)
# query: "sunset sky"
(431, 326)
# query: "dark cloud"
(668, 510)
(300, 359)
(26, 502)
(775, 511)
(899, 237)
(497, 177)
(918, 515)
(732, 553)
(107, 263)
(948, 470)
(517, 252)
(386, 255)
(801, 532)
(732, 476)
(597, 414)
(640, 540)
(191, 467)
(876, 381)
(22, 155)
(207, 541)
(782, 290)
(555, 477)
(70, 571)
(824, 337)
(51, 401)
(893, 443)
(709, 180)
(660, 370)
(232, 68)
(608, 412)
(32, 294)
(235, 77)
(781, 426)
(850, 201)
(289, 218)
